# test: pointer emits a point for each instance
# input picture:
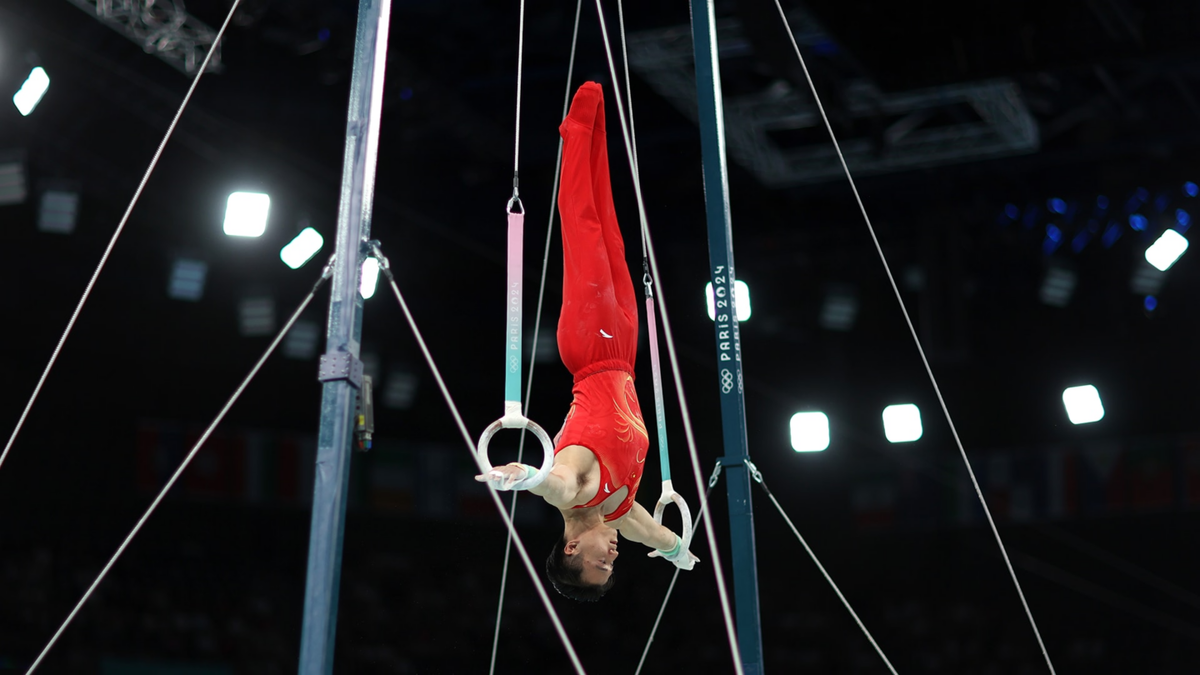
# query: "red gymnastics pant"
(598, 326)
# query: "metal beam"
(164, 29)
(341, 370)
(1002, 124)
(729, 350)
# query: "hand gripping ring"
(670, 495)
(520, 422)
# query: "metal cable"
(186, 461)
(87, 291)
(520, 65)
(536, 327)
(687, 423)
(846, 603)
(712, 481)
(908, 320)
(466, 435)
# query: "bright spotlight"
(741, 300)
(1164, 252)
(31, 93)
(1083, 404)
(301, 249)
(810, 432)
(370, 277)
(246, 214)
(902, 423)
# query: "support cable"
(757, 476)
(87, 291)
(517, 133)
(325, 274)
(718, 572)
(913, 331)
(712, 482)
(512, 513)
(386, 268)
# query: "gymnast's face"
(597, 548)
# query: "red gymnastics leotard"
(598, 327)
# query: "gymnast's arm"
(563, 483)
(638, 525)
(561, 487)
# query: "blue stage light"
(1111, 234)
(1138, 222)
(1183, 220)
(1012, 211)
(1080, 240)
(1150, 303)
(1052, 241)
(1142, 194)
(1162, 202)
(1102, 202)
(1191, 189)
(1031, 217)
(1057, 205)
(825, 48)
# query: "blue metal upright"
(341, 370)
(729, 350)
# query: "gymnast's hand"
(503, 478)
(679, 556)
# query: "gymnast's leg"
(593, 325)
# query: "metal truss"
(162, 28)
(1002, 126)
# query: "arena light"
(256, 316)
(31, 93)
(1083, 404)
(741, 300)
(1166, 250)
(1058, 286)
(902, 423)
(58, 211)
(301, 341)
(1146, 279)
(810, 431)
(246, 214)
(839, 309)
(370, 278)
(400, 390)
(302, 248)
(187, 280)
(13, 188)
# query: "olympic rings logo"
(726, 381)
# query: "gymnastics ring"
(668, 496)
(513, 419)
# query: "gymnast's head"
(581, 567)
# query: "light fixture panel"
(902, 423)
(246, 214)
(809, 431)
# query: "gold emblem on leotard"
(629, 419)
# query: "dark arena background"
(1017, 159)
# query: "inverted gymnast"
(601, 450)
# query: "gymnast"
(601, 450)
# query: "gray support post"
(341, 371)
(729, 350)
